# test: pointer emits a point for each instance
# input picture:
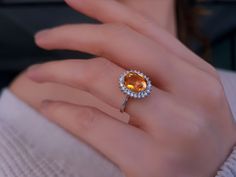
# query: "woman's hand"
(184, 128)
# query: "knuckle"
(103, 67)
(212, 69)
(214, 90)
(115, 30)
(97, 70)
(86, 74)
(110, 32)
(212, 95)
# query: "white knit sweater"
(31, 146)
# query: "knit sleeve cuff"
(47, 140)
(228, 169)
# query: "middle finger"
(100, 78)
(124, 11)
(124, 47)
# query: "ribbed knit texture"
(229, 82)
(229, 167)
(31, 146)
(17, 160)
(228, 79)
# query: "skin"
(181, 130)
(162, 12)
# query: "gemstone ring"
(134, 84)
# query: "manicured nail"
(41, 34)
(33, 67)
(32, 74)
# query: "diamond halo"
(135, 94)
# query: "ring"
(134, 84)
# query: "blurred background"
(20, 19)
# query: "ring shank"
(123, 106)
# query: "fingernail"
(32, 74)
(41, 34)
(33, 67)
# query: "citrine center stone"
(135, 82)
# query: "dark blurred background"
(20, 19)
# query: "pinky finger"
(121, 143)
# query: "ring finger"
(100, 78)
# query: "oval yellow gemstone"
(135, 82)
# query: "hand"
(25, 89)
(184, 128)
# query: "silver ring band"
(124, 104)
(134, 84)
